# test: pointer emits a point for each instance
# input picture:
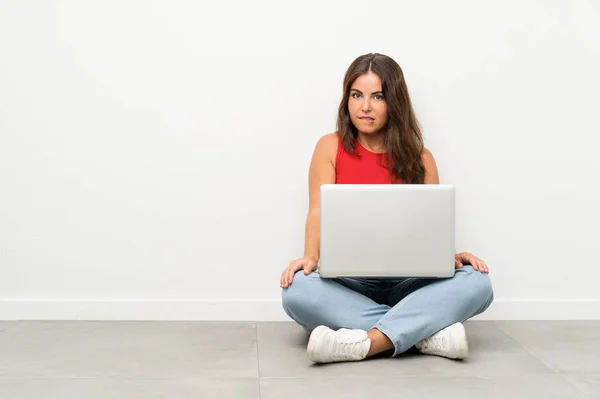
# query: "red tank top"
(365, 167)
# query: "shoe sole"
(312, 351)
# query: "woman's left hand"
(465, 258)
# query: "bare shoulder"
(431, 171)
(329, 141)
(326, 147)
(427, 155)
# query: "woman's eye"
(355, 95)
(378, 97)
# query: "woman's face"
(366, 105)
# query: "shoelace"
(346, 345)
(436, 341)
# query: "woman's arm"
(431, 172)
(322, 171)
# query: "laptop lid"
(387, 230)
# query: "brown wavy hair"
(402, 137)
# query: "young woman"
(378, 142)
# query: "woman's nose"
(366, 105)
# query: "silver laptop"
(387, 230)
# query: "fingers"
(308, 264)
(474, 261)
(284, 277)
(288, 274)
(479, 265)
(282, 280)
(484, 267)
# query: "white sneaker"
(451, 342)
(326, 345)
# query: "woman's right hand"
(307, 263)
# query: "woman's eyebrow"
(360, 92)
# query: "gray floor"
(184, 360)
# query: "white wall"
(154, 154)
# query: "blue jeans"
(405, 310)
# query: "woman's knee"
(300, 294)
(477, 285)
